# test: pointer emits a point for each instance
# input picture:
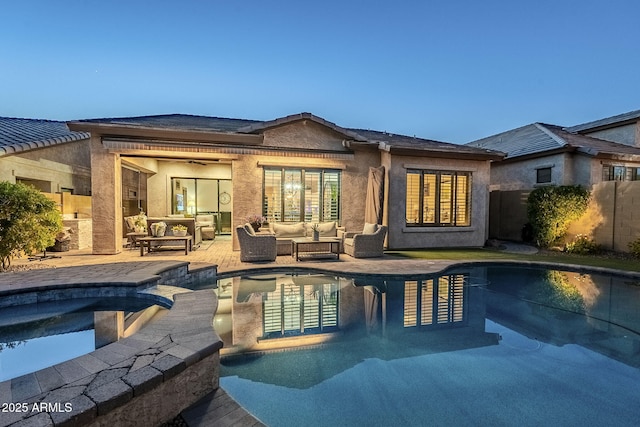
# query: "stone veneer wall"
(81, 233)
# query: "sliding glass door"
(199, 196)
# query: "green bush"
(634, 248)
(582, 245)
(29, 221)
(551, 209)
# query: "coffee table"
(147, 241)
(307, 248)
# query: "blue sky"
(447, 70)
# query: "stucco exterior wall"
(401, 236)
(521, 175)
(586, 171)
(304, 134)
(627, 134)
(65, 166)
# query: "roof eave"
(114, 130)
(538, 154)
(43, 143)
(402, 151)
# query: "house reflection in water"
(276, 311)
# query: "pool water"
(36, 336)
(480, 346)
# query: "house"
(38, 152)
(622, 128)
(594, 155)
(291, 169)
(55, 160)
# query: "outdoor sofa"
(285, 232)
(193, 229)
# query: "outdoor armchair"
(361, 245)
(255, 247)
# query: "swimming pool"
(485, 345)
(36, 336)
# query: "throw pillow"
(328, 229)
(369, 228)
(289, 230)
(249, 229)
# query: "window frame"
(438, 198)
(324, 179)
(546, 169)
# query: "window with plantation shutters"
(295, 195)
(438, 198)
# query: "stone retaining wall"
(145, 379)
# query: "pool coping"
(428, 269)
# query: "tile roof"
(620, 119)
(18, 135)
(525, 140)
(593, 146)
(409, 143)
(540, 138)
(243, 126)
(179, 121)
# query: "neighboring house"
(541, 154)
(292, 169)
(45, 154)
(623, 128)
(56, 161)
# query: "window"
(543, 175)
(438, 198)
(294, 195)
(620, 173)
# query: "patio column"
(106, 199)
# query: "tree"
(29, 221)
(551, 209)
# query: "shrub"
(582, 245)
(634, 248)
(551, 209)
(29, 221)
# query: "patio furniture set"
(197, 228)
(296, 240)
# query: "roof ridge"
(557, 138)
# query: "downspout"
(615, 208)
